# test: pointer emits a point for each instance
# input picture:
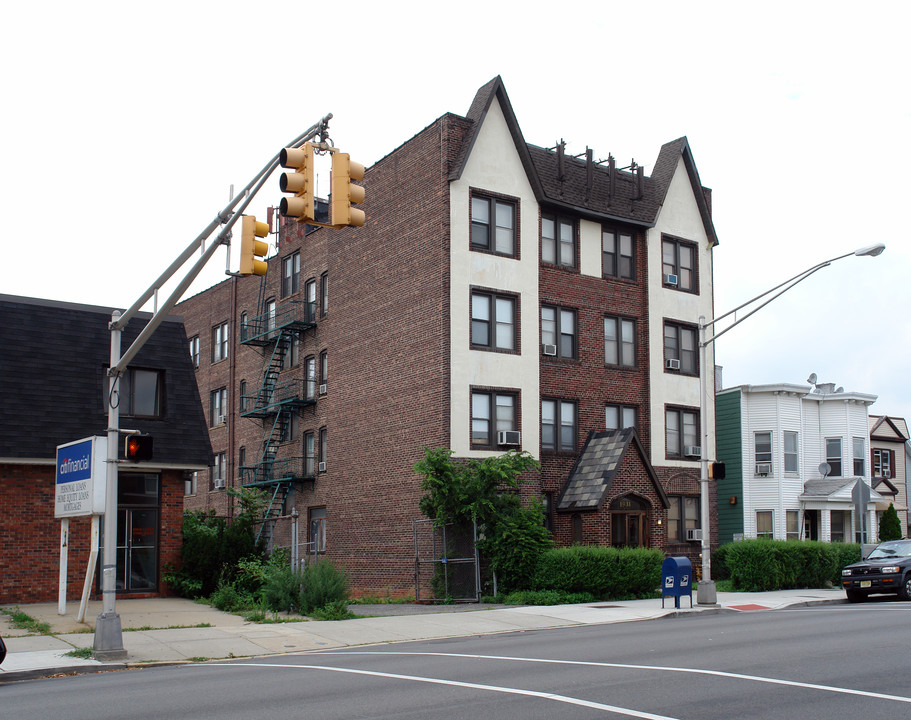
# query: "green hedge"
(605, 572)
(760, 565)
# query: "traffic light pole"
(108, 643)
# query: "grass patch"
(199, 658)
(168, 627)
(24, 621)
(84, 653)
(382, 600)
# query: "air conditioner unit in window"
(549, 349)
(672, 364)
(321, 467)
(221, 420)
(692, 451)
(763, 468)
(670, 279)
(219, 483)
(694, 535)
(322, 389)
(509, 437)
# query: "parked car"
(886, 570)
(2, 651)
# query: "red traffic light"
(138, 448)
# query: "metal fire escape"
(273, 331)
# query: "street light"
(705, 594)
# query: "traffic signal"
(302, 206)
(344, 193)
(138, 448)
(252, 249)
(716, 471)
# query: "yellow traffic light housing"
(344, 193)
(251, 249)
(301, 182)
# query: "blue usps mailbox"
(676, 579)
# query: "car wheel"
(904, 592)
(855, 596)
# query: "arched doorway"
(629, 522)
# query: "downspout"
(232, 366)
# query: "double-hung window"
(620, 341)
(791, 453)
(558, 240)
(762, 449)
(220, 342)
(310, 378)
(218, 407)
(309, 455)
(558, 330)
(324, 294)
(491, 413)
(682, 515)
(859, 453)
(617, 258)
(140, 392)
(680, 348)
(558, 425)
(681, 430)
(493, 321)
(765, 527)
(291, 274)
(310, 294)
(882, 463)
(617, 417)
(194, 350)
(833, 456)
(678, 264)
(323, 449)
(493, 225)
(218, 470)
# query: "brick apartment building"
(53, 361)
(501, 295)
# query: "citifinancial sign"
(81, 478)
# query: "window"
(218, 407)
(762, 447)
(289, 427)
(140, 393)
(792, 525)
(318, 530)
(882, 463)
(323, 370)
(491, 413)
(493, 321)
(680, 345)
(681, 431)
(678, 264)
(323, 448)
(190, 482)
(243, 396)
(243, 326)
(859, 453)
(833, 456)
(617, 417)
(682, 515)
(324, 293)
(558, 241)
(220, 342)
(764, 524)
(547, 506)
(291, 358)
(791, 453)
(617, 259)
(841, 525)
(194, 350)
(310, 293)
(558, 328)
(270, 314)
(310, 378)
(291, 274)
(620, 341)
(493, 225)
(558, 425)
(217, 471)
(309, 455)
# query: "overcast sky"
(125, 124)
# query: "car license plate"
(865, 583)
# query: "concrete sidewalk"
(167, 630)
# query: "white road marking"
(625, 666)
(455, 683)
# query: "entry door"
(626, 529)
(137, 549)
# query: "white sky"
(125, 125)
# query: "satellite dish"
(839, 389)
(825, 469)
(812, 379)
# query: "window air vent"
(670, 279)
(763, 468)
(672, 364)
(549, 349)
(694, 534)
(692, 451)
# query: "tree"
(890, 527)
(458, 491)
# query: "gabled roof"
(835, 489)
(53, 361)
(888, 429)
(592, 475)
(573, 191)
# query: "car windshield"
(893, 549)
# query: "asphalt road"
(832, 661)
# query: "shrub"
(890, 527)
(604, 572)
(761, 565)
(322, 584)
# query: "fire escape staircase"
(276, 401)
